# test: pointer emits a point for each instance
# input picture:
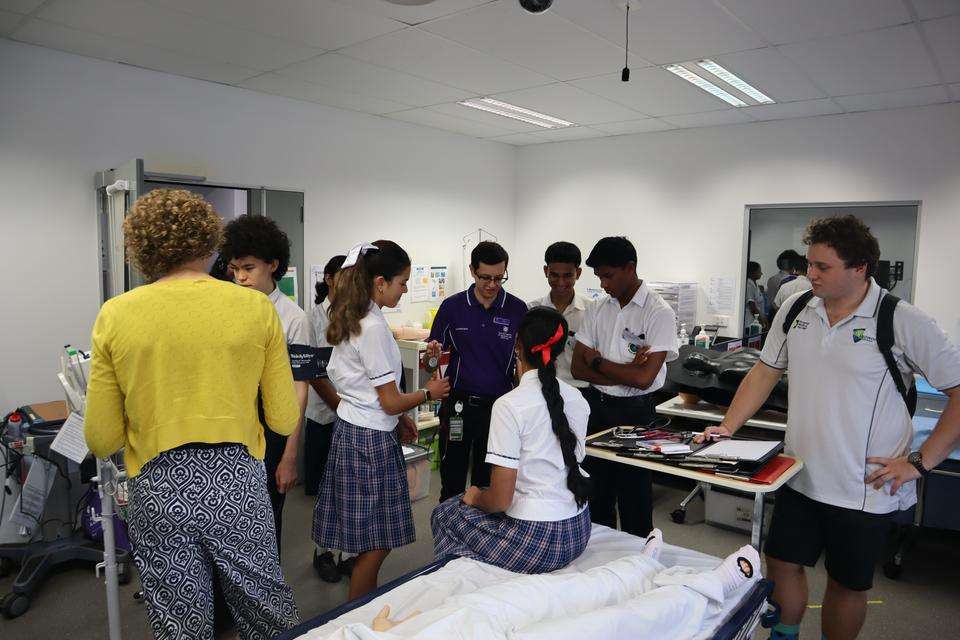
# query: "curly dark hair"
(257, 236)
(168, 227)
(850, 237)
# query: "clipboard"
(746, 453)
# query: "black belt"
(472, 400)
(623, 401)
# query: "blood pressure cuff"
(307, 362)
(716, 376)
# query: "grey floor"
(924, 603)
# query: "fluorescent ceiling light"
(704, 84)
(508, 110)
(735, 81)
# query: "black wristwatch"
(916, 459)
(595, 363)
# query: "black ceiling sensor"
(536, 6)
(625, 74)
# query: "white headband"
(356, 252)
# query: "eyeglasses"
(492, 279)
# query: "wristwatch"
(426, 395)
(916, 459)
(595, 363)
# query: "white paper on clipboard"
(745, 450)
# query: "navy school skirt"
(364, 501)
(521, 546)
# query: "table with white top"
(707, 412)
(705, 477)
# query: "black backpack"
(888, 305)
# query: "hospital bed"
(426, 588)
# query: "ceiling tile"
(944, 38)
(792, 110)
(782, 21)
(429, 56)
(571, 133)
(413, 14)
(175, 31)
(895, 99)
(664, 31)
(318, 23)
(290, 88)
(567, 102)
(768, 70)
(449, 123)
(635, 126)
(20, 6)
(484, 117)
(519, 139)
(505, 30)
(709, 119)
(871, 62)
(117, 50)
(927, 9)
(9, 22)
(348, 74)
(653, 92)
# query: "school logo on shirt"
(861, 335)
(800, 324)
(505, 333)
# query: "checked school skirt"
(521, 546)
(364, 501)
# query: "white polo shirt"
(362, 363)
(844, 406)
(317, 409)
(521, 437)
(574, 316)
(617, 333)
(797, 285)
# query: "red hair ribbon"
(544, 348)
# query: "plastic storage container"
(417, 459)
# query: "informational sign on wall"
(721, 294)
(428, 283)
(288, 285)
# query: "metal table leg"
(756, 532)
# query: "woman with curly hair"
(176, 368)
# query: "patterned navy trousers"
(199, 509)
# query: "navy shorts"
(851, 540)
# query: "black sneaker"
(345, 567)
(325, 566)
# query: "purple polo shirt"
(480, 341)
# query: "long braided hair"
(543, 337)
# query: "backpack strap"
(795, 310)
(885, 341)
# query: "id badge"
(634, 341)
(456, 429)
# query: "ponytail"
(543, 336)
(323, 289)
(354, 287)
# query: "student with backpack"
(851, 350)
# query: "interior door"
(113, 202)
(286, 209)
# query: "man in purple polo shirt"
(479, 327)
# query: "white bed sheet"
(463, 575)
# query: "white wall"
(63, 117)
(680, 195)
